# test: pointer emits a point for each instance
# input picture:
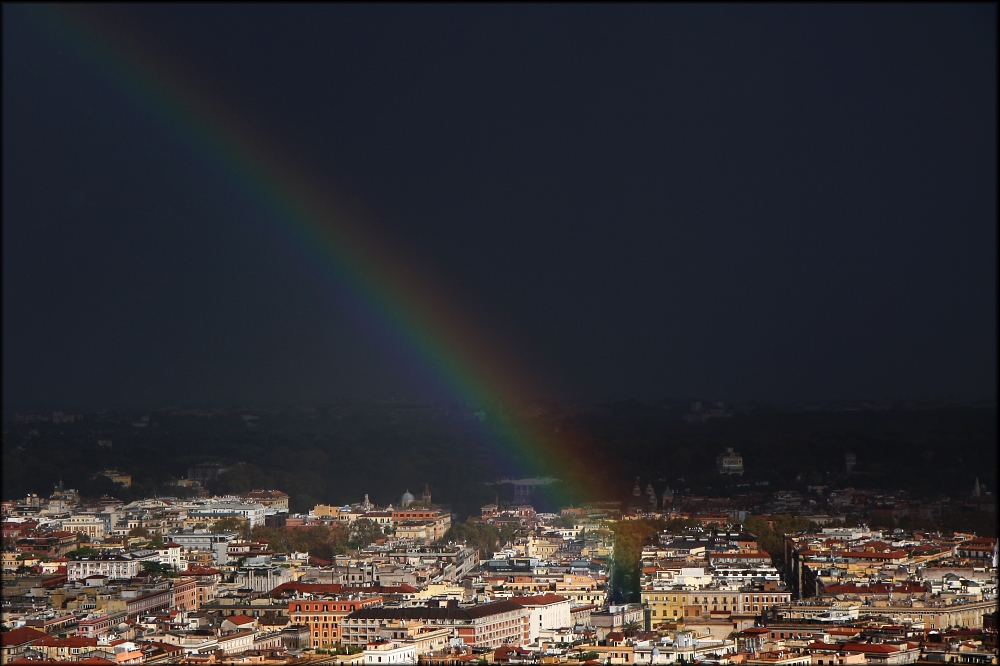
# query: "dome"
(406, 499)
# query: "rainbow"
(394, 300)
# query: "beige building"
(10, 561)
(90, 525)
(541, 548)
(672, 605)
(326, 511)
(271, 499)
(581, 590)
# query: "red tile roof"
(539, 600)
(881, 648)
(241, 619)
(69, 641)
(19, 636)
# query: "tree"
(138, 531)
(476, 535)
(630, 536)
(632, 627)
(507, 535)
(365, 531)
(231, 524)
(568, 521)
(159, 569)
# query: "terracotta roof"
(69, 641)
(314, 588)
(166, 647)
(241, 619)
(881, 648)
(19, 636)
(539, 600)
(427, 613)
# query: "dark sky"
(743, 202)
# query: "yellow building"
(326, 511)
(665, 605)
(118, 477)
(10, 562)
(581, 590)
(668, 605)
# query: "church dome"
(406, 499)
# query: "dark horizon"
(780, 204)
(875, 404)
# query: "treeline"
(771, 540)
(327, 460)
(632, 535)
(959, 519)
(479, 536)
(926, 452)
(320, 540)
(337, 458)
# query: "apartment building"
(324, 617)
(485, 626)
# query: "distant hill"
(337, 453)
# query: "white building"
(729, 462)
(217, 542)
(693, 577)
(112, 566)
(250, 511)
(170, 554)
(262, 579)
(734, 577)
(545, 612)
(390, 653)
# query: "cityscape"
(478, 333)
(207, 568)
